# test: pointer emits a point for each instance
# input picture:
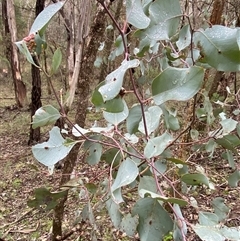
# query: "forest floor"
(20, 174)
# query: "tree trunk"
(36, 86)
(85, 81)
(8, 15)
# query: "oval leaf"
(154, 221)
(177, 84)
(116, 118)
(42, 20)
(136, 15)
(195, 179)
(219, 47)
(114, 81)
(127, 173)
(44, 116)
(56, 61)
(54, 150)
(157, 145)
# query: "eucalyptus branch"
(191, 41)
(126, 52)
(116, 25)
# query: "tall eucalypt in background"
(142, 144)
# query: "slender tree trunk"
(74, 65)
(85, 81)
(36, 87)
(8, 15)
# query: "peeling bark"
(8, 15)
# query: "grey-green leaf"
(114, 81)
(157, 145)
(44, 116)
(220, 209)
(208, 219)
(42, 20)
(177, 84)
(208, 233)
(24, 50)
(54, 150)
(127, 173)
(129, 224)
(56, 61)
(234, 178)
(152, 117)
(114, 213)
(116, 118)
(165, 17)
(145, 193)
(148, 183)
(94, 153)
(133, 119)
(154, 221)
(195, 179)
(136, 15)
(184, 38)
(219, 47)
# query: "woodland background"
(88, 40)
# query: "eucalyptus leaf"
(184, 38)
(208, 233)
(157, 145)
(146, 193)
(43, 19)
(152, 118)
(45, 115)
(165, 17)
(24, 50)
(129, 224)
(177, 84)
(234, 178)
(133, 119)
(208, 219)
(114, 105)
(229, 142)
(219, 47)
(127, 173)
(114, 213)
(195, 179)
(154, 221)
(45, 199)
(136, 15)
(116, 118)
(180, 226)
(94, 153)
(230, 158)
(147, 183)
(56, 61)
(220, 209)
(228, 125)
(113, 82)
(112, 156)
(54, 150)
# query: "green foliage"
(140, 144)
(45, 115)
(41, 22)
(44, 199)
(56, 61)
(57, 147)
